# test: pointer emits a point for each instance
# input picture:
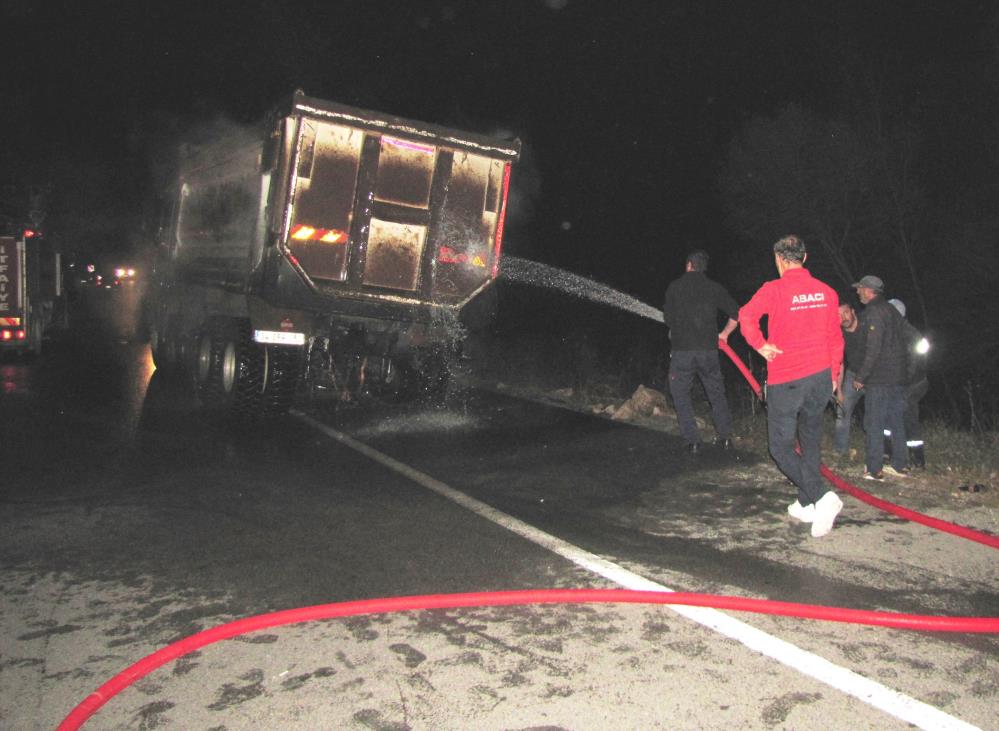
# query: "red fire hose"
(78, 716)
(942, 525)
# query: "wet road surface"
(130, 520)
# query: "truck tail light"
(500, 223)
(19, 334)
(301, 232)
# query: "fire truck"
(31, 290)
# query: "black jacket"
(691, 311)
(886, 351)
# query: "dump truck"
(31, 294)
(330, 253)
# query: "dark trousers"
(844, 415)
(683, 366)
(794, 413)
(914, 393)
(884, 409)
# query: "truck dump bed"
(376, 215)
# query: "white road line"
(890, 701)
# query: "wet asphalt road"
(112, 478)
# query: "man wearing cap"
(691, 312)
(882, 376)
(804, 353)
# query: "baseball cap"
(898, 305)
(871, 282)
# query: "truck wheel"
(243, 370)
(165, 351)
(209, 348)
(282, 372)
(230, 368)
(320, 385)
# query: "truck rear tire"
(166, 350)
(230, 368)
(209, 346)
(282, 372)
(320, 383)
(239, 377)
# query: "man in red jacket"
(804, 354)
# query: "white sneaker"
(805, 514)
(826, 510)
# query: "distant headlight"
(923, 346)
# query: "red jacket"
(803, 321)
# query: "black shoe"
(725, 444)
(694, 448)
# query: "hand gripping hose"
(942, 525)
(78, 716)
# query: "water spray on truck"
(329, 253)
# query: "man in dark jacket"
(882, 375)
(846, 395)
(691, 314)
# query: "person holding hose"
(804, 353)
(690, 311)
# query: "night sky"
(626, 110)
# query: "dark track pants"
(683, 366)
(884, 408)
